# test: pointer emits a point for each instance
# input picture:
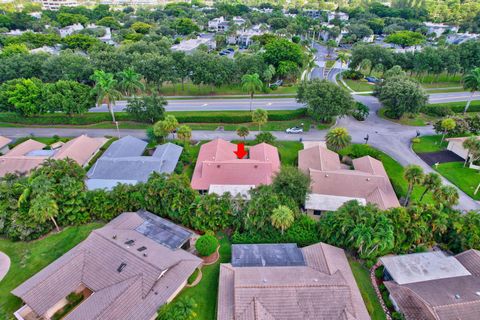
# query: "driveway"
(432, 158)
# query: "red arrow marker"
(240, 151)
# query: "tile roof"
(29, 154)
(4, 141)
(324, 288)
(146, 282)
(368, 181)
(449, 298)
(218, 164)
(123, 162)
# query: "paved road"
(208, 104)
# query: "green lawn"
(430, 144)
(203, 90)
(463, 177)
(205, 293)
(27, 258)
(359, 85)
(417, 120)
(288, 150)
(362, 277)
(45, 140)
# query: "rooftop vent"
(264, 280)
(457, 296)
(477, 293)
(145, 254)
(130, 242)
(368, 179)
(114, 237)
(121, 267)
(142, 248)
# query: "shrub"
(206, 245)
(416, 140)
(352, 74)
(361, 111)
(379, 272)
(266, 137)
(437, 111)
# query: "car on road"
(231, 50)
(277, 83)
(294, 130)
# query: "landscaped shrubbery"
(206, 245)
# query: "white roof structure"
(420, 267)
(191, 44)
(325, 202)
(234, 190)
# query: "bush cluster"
(206, 245)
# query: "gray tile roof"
(149, 279)
(450, 298)
(123, 161)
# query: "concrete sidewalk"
(4, 265)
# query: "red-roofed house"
(333, 184)
(218, 165)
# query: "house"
(239, 21)
(68, 30)
(218, 24)
(123, 162)
(456, 146)
(190, 45)
(434, 286)
(334, 184)
(314, 14)
(244, 37)
(47, 49)
(4, 142)
(30, 154)
(217, 164)
(439, 28)
(57, 4)
(282, 281)
(459, 38)
(127, 269)
(343, 16)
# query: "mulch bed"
(211, 259)
(431, 158)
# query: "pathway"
(4, 265)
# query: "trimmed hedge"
(182, 117)
(456, 107)
(206, 245)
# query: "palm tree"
(431, 181)
(342, 56)
(338, 138)
(282, 218)
(243, 132)
(251, 83)
(414, 175)
(106, 89)
(472, 144)
(130, 81)
(184, 133)
(330, 45)
(471, 82)
(260, 117)
(447, 195)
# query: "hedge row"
(455, 107)
(183, 117)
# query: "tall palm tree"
(342, 56)
(251, 83)
(431, 181)
(282, 218)
(472, 144)
(106, 89)
(130, 81)
(447, 195)
(338, 138)
(414, 175)
(243, 132)
(471, 82)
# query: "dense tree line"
(54, 196)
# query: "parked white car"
(294, 130)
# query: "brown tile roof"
(145, 283)
(324, 289)
(4, 141)
(80, 149)
(369, 180)
(451, 298)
